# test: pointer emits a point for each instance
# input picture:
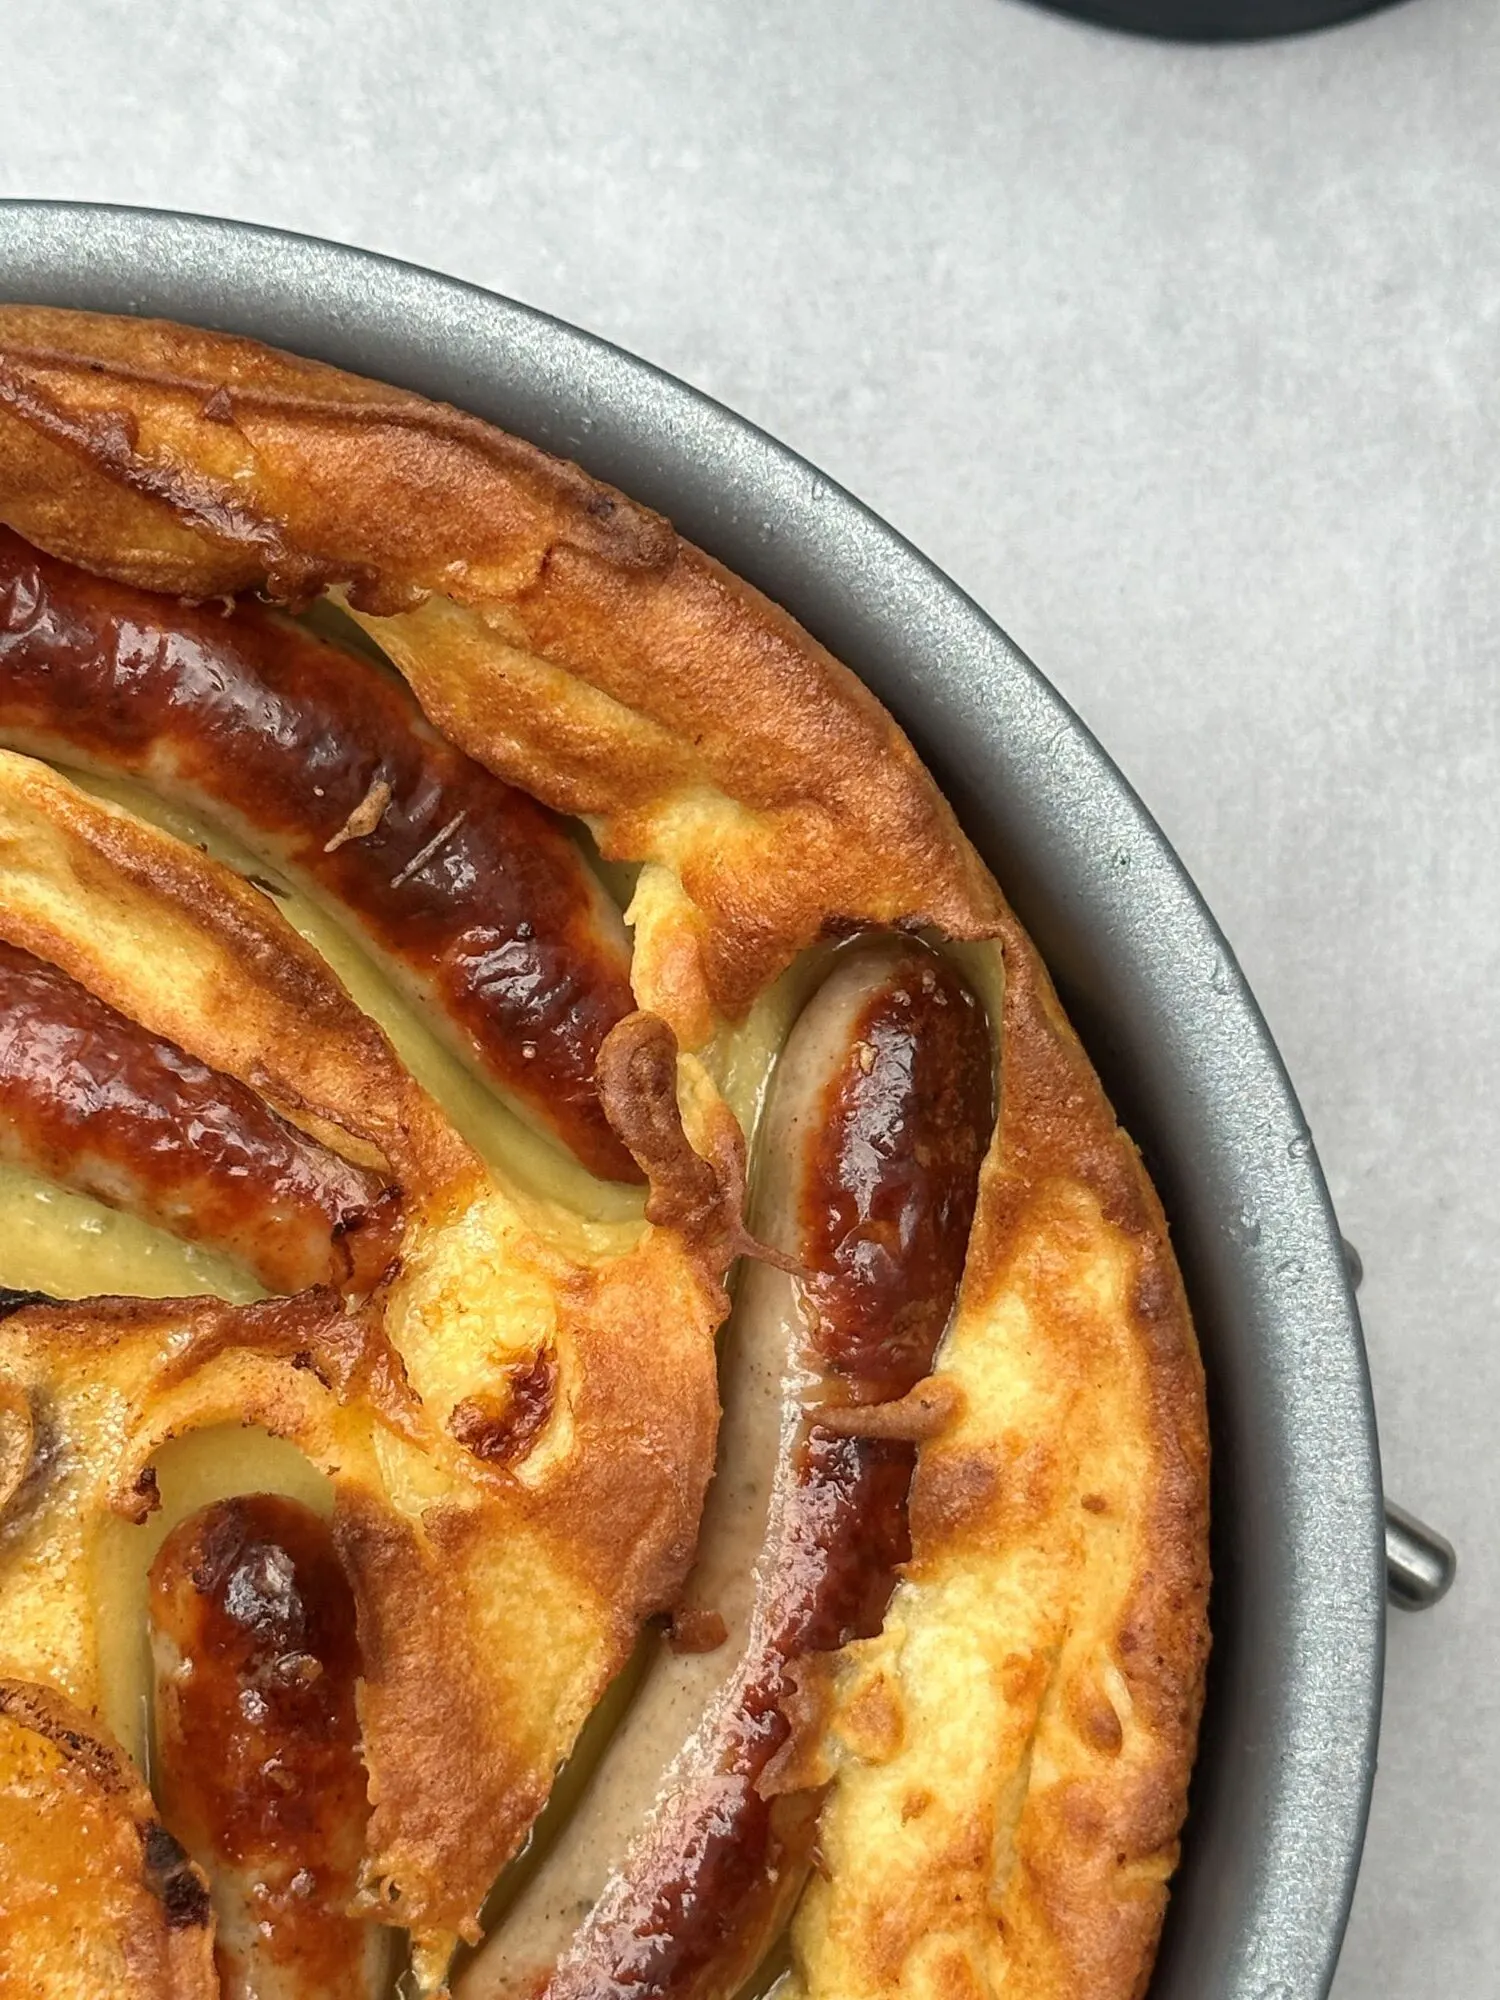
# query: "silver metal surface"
(1420, 1564)
(1282, 1786)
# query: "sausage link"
(468, 891)
(879, 1117)
(95, 1101)
(258, 1770)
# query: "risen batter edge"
(1009, 1762)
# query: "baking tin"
(1288, 1753)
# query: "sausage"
(257, 1769)
(470, 894)
(95, 1101)
(880, 1113)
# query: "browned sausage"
(95, 1101)
(880, 1114)
(470, 892)
(258, 1770)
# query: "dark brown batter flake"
(922, 1413)
(364, 818)
(181, 1889)
(696, 1630)
(500, 1430)
(704, 1199)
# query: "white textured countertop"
(1184, 362)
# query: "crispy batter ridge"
(1009, 1759)
(95, 1895)
(17, 1441)
(1011, 1824)
(186, 947)
(552, 628)
(700, 1195)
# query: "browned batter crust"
(93, 1879)
(1007, 1761)
(554, 629)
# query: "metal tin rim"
(1282, 1788)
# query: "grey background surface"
(1182, 361)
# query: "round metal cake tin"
(1288, 1751)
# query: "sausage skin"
(470, 893)
(98, 1103)
(880, 1115)
(258, 1771)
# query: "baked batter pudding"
(592, 1402)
